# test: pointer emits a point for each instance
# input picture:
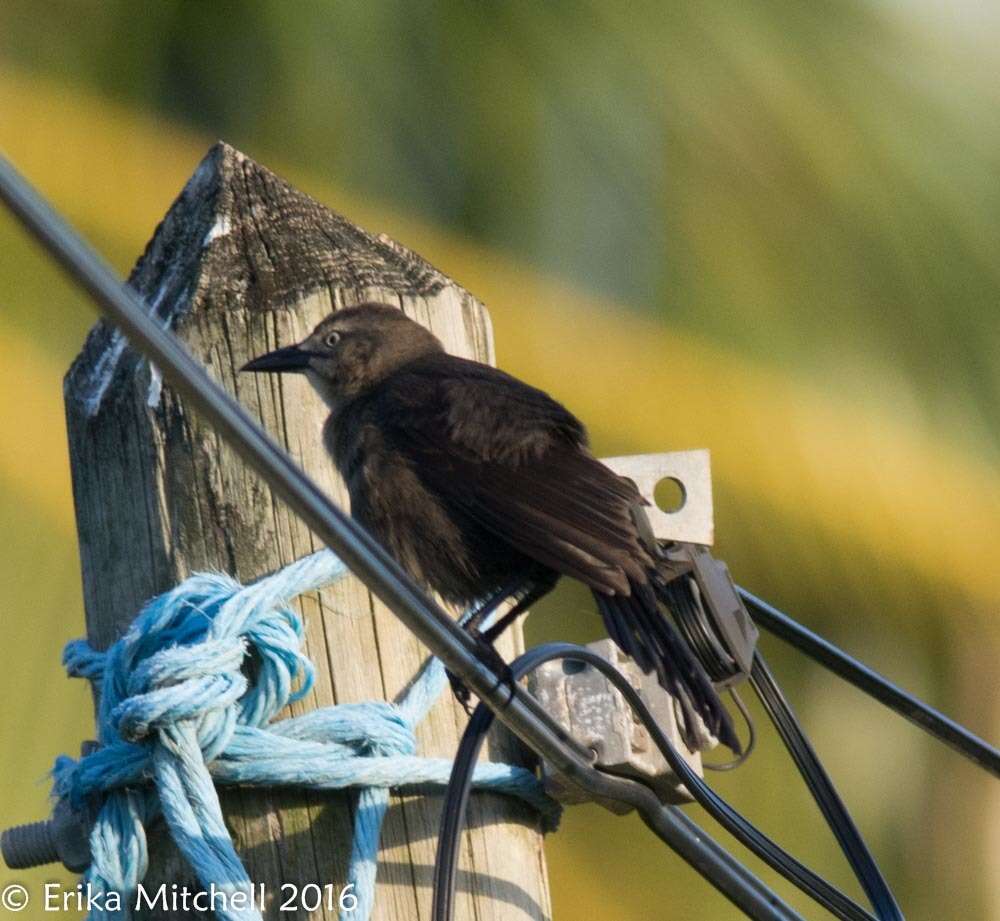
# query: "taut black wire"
(824, 793)
(456, 798)
(875, 685)
(697, 626)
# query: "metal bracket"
(694, 521)
(582, 700)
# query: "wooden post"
(243, 263)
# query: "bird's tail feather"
(642, 628)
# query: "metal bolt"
(29, 845)
(65, 837)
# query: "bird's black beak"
(291, 358)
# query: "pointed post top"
(240, 237)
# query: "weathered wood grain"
(243, 263)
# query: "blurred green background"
(768, 229)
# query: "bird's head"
(352, 350)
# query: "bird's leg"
(539, 589)
(493, 601)
(532, 588)
(484, 643)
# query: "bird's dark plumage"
(472, 478)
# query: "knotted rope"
(187, 698)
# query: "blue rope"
(178, 714)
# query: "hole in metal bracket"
(669, 495)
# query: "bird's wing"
(515, 461)
(511, 459)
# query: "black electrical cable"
(751, 738)
(695, 623)
(824, 793)
(660, 819)
(457, 795)
(730, 877)
(875, 685)
(695, 626)
(455, 805)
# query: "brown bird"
(483, 488)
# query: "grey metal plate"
(694, 521)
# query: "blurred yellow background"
(771, 230)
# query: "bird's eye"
(332, 338)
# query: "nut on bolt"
(62, 838)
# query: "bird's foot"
(462, 694)
(488, 654)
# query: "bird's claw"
(462, 694)
(491, 657)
